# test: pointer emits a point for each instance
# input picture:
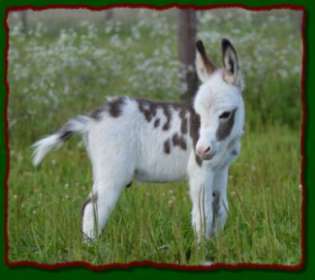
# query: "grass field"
(56, 72)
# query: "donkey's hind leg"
(98, 207)
(105, 194)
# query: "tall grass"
(152, 221)
(57, 73)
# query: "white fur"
(129, 147)
(45, 145)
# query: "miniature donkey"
(152, 141)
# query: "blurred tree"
(186, 39)
(24, 21)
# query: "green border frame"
(308, 137)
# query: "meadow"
(61, 68)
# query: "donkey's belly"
(163, 169)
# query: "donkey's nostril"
(206, 151)
(203, 152)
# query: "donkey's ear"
(230, 62)
(204, 66)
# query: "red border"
(215, 266)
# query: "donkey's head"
(218, 101)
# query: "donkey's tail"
(43, 146)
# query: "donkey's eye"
(225, 115)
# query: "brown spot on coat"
(167, 114)
(179, 141)
(149, 109)
(184, 122)
(114, 107)
(156, 122)
(167, 147)
(225, 127)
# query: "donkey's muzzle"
(205, 153)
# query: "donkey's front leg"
(200, 182)
(220, 202)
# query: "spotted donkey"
(152, 141)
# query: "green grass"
(152, 222)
